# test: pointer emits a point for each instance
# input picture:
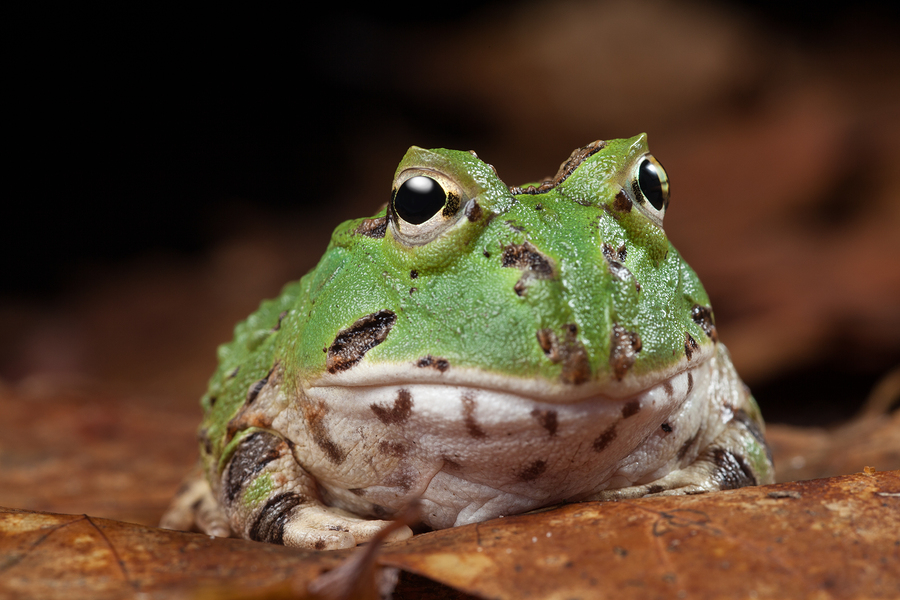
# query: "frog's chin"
(375, 374)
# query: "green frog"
(483, 349)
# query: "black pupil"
(418, 199)
(648, 179)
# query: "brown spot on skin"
(315, 418)
(380, 512)
(605, 439)
(271, 520)
(486, 254)
(753, 426)
(396, 449)
(252, 455)
(614, 259)
(667, 386)
(622, 203)
(413, 290)
(373, 228)
(441, 364)
(357, 491)
(473, 211)
(734, 472)
(203, 438)
(666, 427)
(526, 257)
(703, 316)
(655, 489)
(538, 206)
(549, 344)
(451, 206)
(212, 401)
(413, 274)
(399, 413)
(351, 344)
(468, 409)
(257, 387)
(320, 544)
(234, 373)
(247, 418)
(533, 471)
(280, 319)
(547, 420)
(565, 169)
(690, 346)
(686, 448)
(631, 408)
(623, 349)
(576, 366)
(519, 288)
(690, 379)
(571, 353)
(451, 464)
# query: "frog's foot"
(269, 497)
(737, 457)
(324, 528)
(195, 508)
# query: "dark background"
(141, 143)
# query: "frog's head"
(560, 290)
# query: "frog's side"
(519, 348)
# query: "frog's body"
(517, 348)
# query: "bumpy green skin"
(463, 306)
(603, 266)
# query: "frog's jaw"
(431, 371)
(472, 453)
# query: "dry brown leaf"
(832, 538)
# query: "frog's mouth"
(432, 371)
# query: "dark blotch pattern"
(655, 489)
(669, 389)
(315, 418)
(576, 367)
(622, 203)
(530, 261)
(686, 447)
(351, 344)
(468, 409)
(396, 449)
(666, 428)
(397, 414)
(373, 228)
(690, 378)
(252, 455)
(631, 408)
(257, 387)
(441, 364)
(473, 211)
(733, 471)
(271, 520)
(413, 274)
(615, 257)
(624, 346)
(703, 316)
(547, 420)
(605, 439)
(567, 168)
(690, 346)
(281, 317)
(533, 471)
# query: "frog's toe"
(320, 528)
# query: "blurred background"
(168, 171)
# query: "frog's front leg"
(267, 496)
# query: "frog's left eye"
(418, 199)
(424, 202)
(652, 184)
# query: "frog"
(482, 350)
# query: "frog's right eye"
(418, 199)
(424, 203)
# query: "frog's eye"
(651, 184)
(418, 199)
(423, 204)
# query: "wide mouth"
(537, 389)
